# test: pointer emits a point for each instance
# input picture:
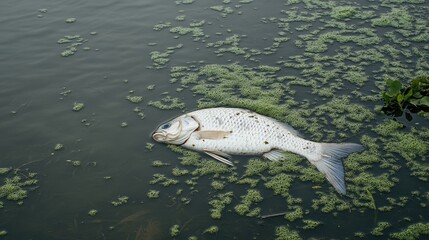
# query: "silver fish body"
(220, 132)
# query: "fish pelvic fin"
(274, 155)
(220, 156)
(329, 162)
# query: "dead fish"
(220, 132)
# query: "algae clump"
(284, 233)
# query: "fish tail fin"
(329, 162)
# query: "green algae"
(329, 202)
(219, 203)
(413, 231)
(175, 230)
(255, 166)
(74, 163)
(77, 106)
(160, 59)
(398, 18)
(342, 12)
(163, 180)
(280, 184)
(211, 230)
(3, 233)
(14, 187)
(179, 172)
(58, 147)
(211, 167)
(134, 99)
(120, 201)
(381, 226)
(149, 146)
(342, 55)
(92, 212)
(297, 213)
(284, 233)
(310, 224)
(168, 103)
(4, 170)
(217, 185)
(153, 194)
(250, 198)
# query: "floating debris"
(92, 212)
(70, 20)
(77, 106)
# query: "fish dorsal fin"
(213, 134)
(274, 155)
(220, 156)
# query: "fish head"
(176, 131)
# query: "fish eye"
(165, 126)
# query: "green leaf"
(408, 93)
(394, 86)
(424, 101)
(417, 95)
(400, 98)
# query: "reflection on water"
(317, 65)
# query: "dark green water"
(114, 61)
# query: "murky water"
(106, 151)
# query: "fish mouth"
(159, 136)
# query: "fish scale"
(220, 132)
(252, 134)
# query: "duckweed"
(211, 230)
(74, 163)
(120, 201)
(328, 90)
(163, 180)
(310, 224)
(168, 103)
(381, 226)
(4, 170)
(158, 163)
(219, 203)
(175, 230)
(58, 147)
(135, 99)
(92, 212)
(255, 166)
(179, 172)
(413, 231)
(149, 146)
(217, 185)
(153, 194)
(15, 188)
(252, 197)
(78, 106)
(280, 184)
(284, 233)
(298, 213)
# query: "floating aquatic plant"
(77, 106)
(120, 201)
(92, 212)
(411, 98)
(153, 194)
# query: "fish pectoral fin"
(213, 134)
(274, 155)
(220, 156)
